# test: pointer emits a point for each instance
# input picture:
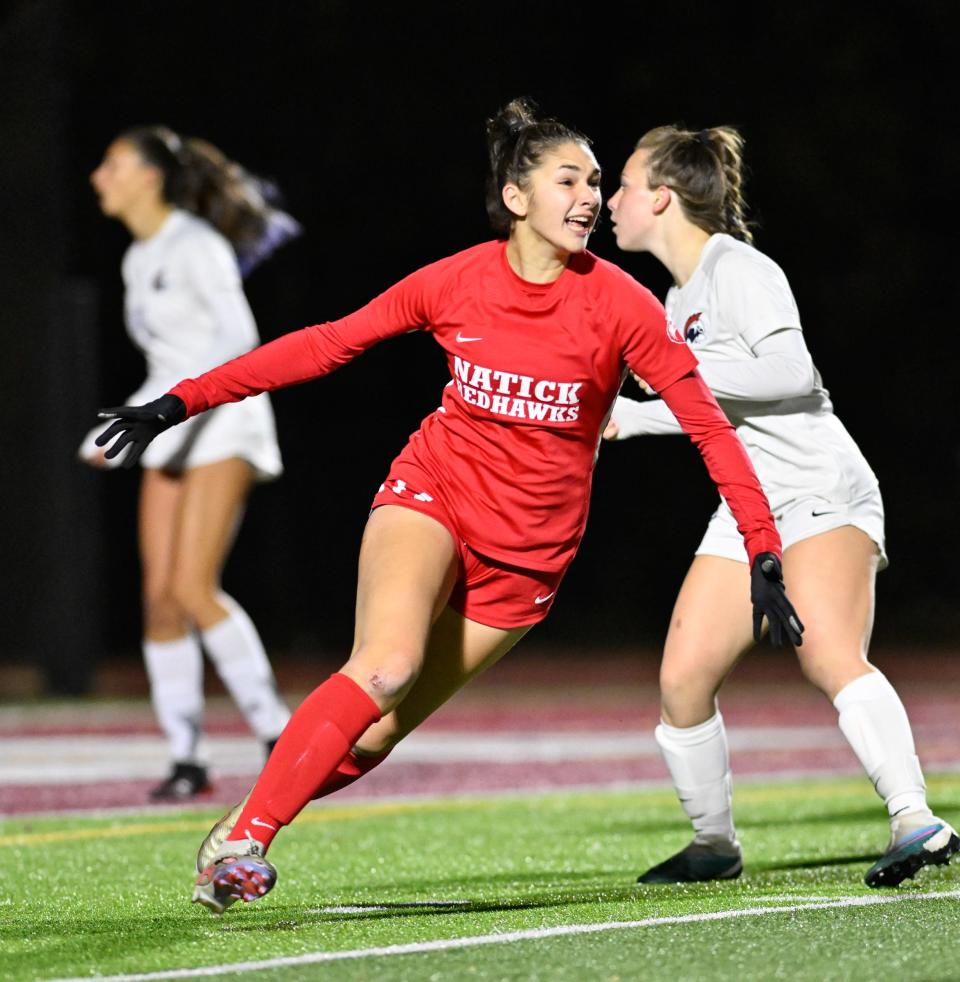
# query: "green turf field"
(542, 884)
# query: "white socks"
(175, 670)
(699, 763)
(875, 724)
(872, 719)
(237, 653)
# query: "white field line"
(507, 937)
(78, 759)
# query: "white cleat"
(218, 835)
(238, 872)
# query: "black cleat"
(696, 863)
(186, 781)
(917, 840)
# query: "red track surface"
(530, 692)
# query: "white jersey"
(735, 299)
(186, 311)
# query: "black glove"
(138, 425)
(770, 601)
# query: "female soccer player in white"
(483, 510)
(680, 198)
(194, 215)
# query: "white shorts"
(800, 519)
(243, 429)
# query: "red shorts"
(487, 590)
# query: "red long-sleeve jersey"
(534, 370)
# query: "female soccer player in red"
(483, 510)
(680, 199)
(199, 222)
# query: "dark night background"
(370, 116)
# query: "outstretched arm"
(293, 358)
(296, 357)
(311, 352)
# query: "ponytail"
(201, 179)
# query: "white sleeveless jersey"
(735, 298)
(187, 312)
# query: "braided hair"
(705, 170)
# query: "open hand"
(136, 426)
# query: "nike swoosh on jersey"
(543, 600)
(826, 511)
(462, 340)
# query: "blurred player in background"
(483, 510)
(680, 198)
(199, 222)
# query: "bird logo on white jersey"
(694, 328)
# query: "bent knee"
(193, 597)
(831, 671)
(163, 613)
(687, 693)
(384, 672)
(687, 680)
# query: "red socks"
(315, 741)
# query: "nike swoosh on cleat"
(927, 832)
(462, 340)
(543, 600)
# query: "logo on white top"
(462, 340)
(543, 600)
(694, 328)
